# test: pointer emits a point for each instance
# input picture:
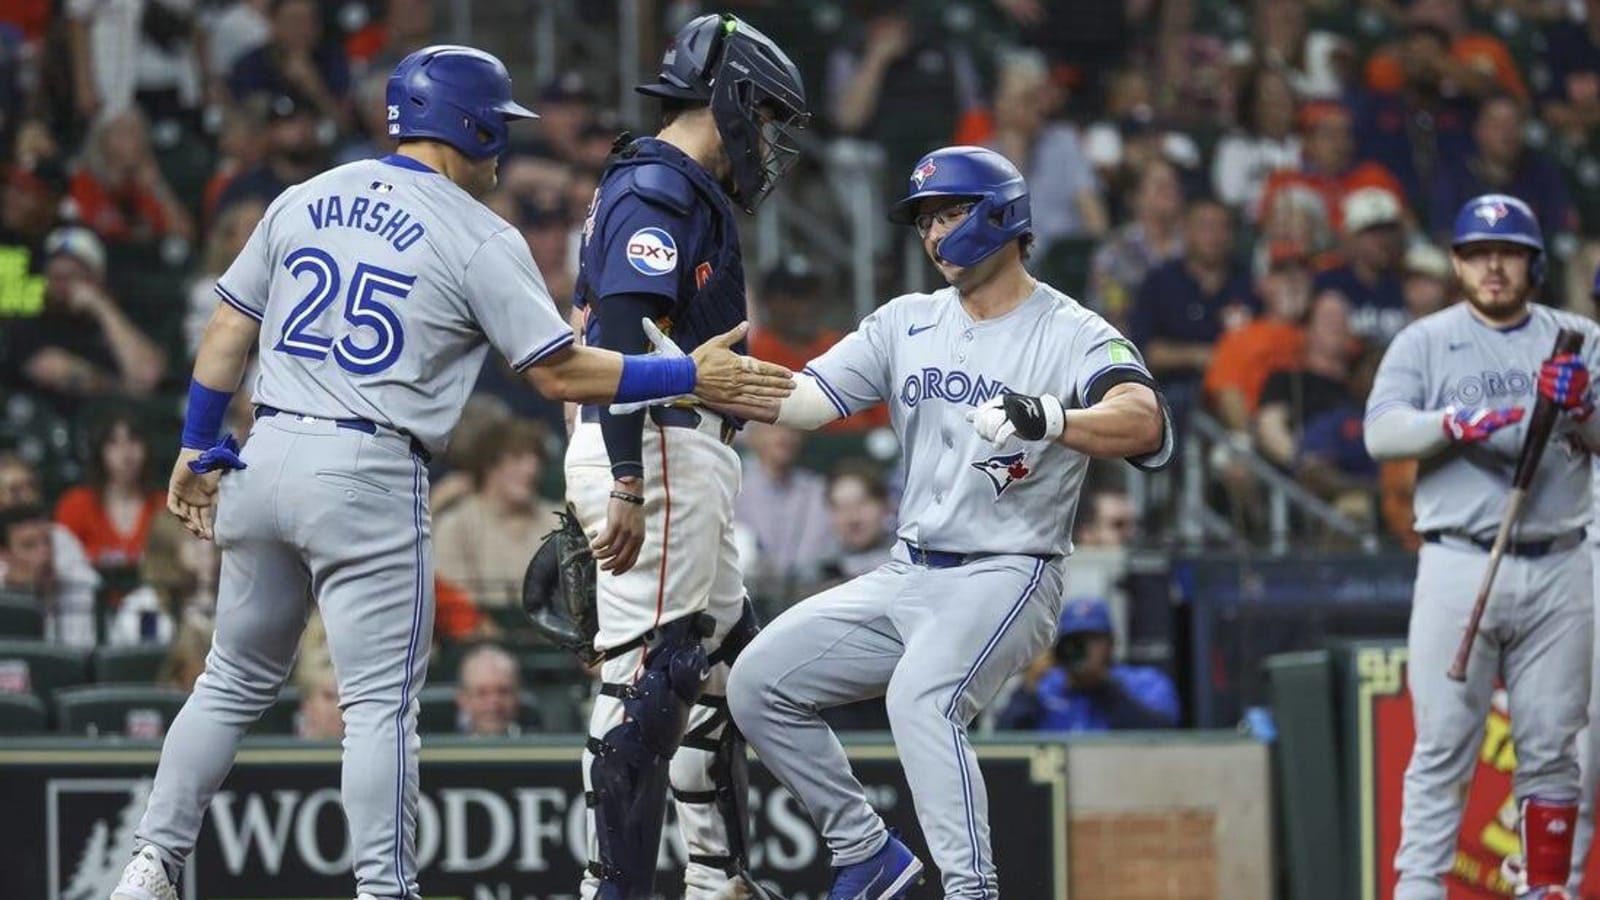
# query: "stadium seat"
(118, 709)
(557, 708)
(22, 714)
(20, 617)
(40, 667)
(137, 664)
(549, 665)
(437, 709)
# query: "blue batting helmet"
(1501, 217)
(1001, 213)
(457, 95)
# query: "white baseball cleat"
(144, 878)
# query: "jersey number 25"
(362, 309)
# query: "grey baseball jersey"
(1537, 630)
(939, 640)
(1451, 359)
(931, 362)
(375, 284)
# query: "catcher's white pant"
(687, 564)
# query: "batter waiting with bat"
(1452, 392)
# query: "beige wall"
(1174, 818)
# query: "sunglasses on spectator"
(950, 217)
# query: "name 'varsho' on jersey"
(397, 275)
(931, 362)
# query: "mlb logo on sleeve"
(652, 252)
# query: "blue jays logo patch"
(923, 173)
(1003, 470)
(1492, 212)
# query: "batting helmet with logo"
(1501, 217)
(753, 89)
(1000, 215)
(458, 95)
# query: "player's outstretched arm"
(1127, 423)
(807, 409)
(218, 366)
(713, 373)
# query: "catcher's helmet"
(753, 89)
(1001, 215)
(1501, 217)
(457, 95)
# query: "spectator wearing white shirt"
(177, 573)
(1264, 142)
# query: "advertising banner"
(1382, 738)
(497, 821)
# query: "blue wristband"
(654, 377)
(202, 421)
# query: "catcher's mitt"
(558, 590)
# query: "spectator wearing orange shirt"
(790, 333)
(1473, 63)
(119, 191)
(1247, 355)
(1425, 120)
(1328, 163)
(111, 514)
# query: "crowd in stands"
(1259, 193)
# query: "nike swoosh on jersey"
(1461, 346)
(915, 330)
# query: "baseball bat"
(1533, 444)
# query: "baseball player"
(1000, 389)
(1588, 745)
(1451, 392)
(653, 489)
(374, 291)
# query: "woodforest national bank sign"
(496, 822)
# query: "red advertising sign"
(1385, 734)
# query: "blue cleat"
(886, 875)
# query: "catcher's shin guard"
(629, 770)
(711, 777)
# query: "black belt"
(363, 425)
(944, 559)
(671, 417)
(1527, 549)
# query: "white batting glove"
(664, 346)
(990, 421)
(1040, 418)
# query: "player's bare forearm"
(225, 349)
(1127, 422)
(578, 374)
